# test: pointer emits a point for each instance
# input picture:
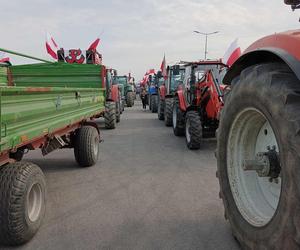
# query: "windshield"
(121, 80)
(176, 79)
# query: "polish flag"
(232, 53)
(151, 71)
(3, 58)
(94, 44)
(51, 46)
(163, 68)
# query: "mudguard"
(182, 102)
(162, 92)
(115, 93)
(281, 47)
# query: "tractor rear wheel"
(161, 109)
(118, 111)
(193, 130)
(177, 119)
(154, 103)
(129, 99)
(110, 115)
(258, 158)
(87, 146)
(168, 111)
(22, 202)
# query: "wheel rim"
(34, 202)
(96, 146)
(187, 130)
(174, 116)
(256, 197)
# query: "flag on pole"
(150, 71)
(94, 44)
(51, 46)
(3, 57)
(232, 54)
(163, 68)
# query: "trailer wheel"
(161, 109)
(87, 146)
(193, 130)
(168, 111)
(110, 115)
(154, 103)
(177, 119)
(258, 158)
(129, 99)
(22, 202)
(118, 111)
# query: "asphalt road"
(147, 191)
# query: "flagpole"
(24, 55)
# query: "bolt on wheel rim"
(34, 202)
(256, 198)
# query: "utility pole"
(206, 35)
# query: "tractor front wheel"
(168, 111)
(154, 103)
(193, 130)
(110, 115)
(177, 119)
(129, 99)
(161, 109)
(258, 158)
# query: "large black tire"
(110, 115)
(168, 111)
(161, 109)
(154, 103)
(22, 202)
(129, 99)
(177, 119)
(118, 111)
(87, 146)
(193, 130)
(274, 91)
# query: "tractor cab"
(176, 75)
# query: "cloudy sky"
(135, 34)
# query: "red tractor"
(198, 102)
(167, 90)
(258, 148)
(113, 104)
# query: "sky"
(135, 34)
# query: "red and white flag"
(3, 57)
(51, 46)
(94, 44)
(232, 54)
(163, 68)
(150, 71)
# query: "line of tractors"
(253, 108)
(189, 98)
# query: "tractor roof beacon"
(258, 144)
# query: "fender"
(281, 47)
(115, 93)
(162, 92)
(181, 98)
(93, 124)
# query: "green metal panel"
(27, 113)
(57, 75)
(3, 76)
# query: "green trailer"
(47, 106)
(127, 90)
